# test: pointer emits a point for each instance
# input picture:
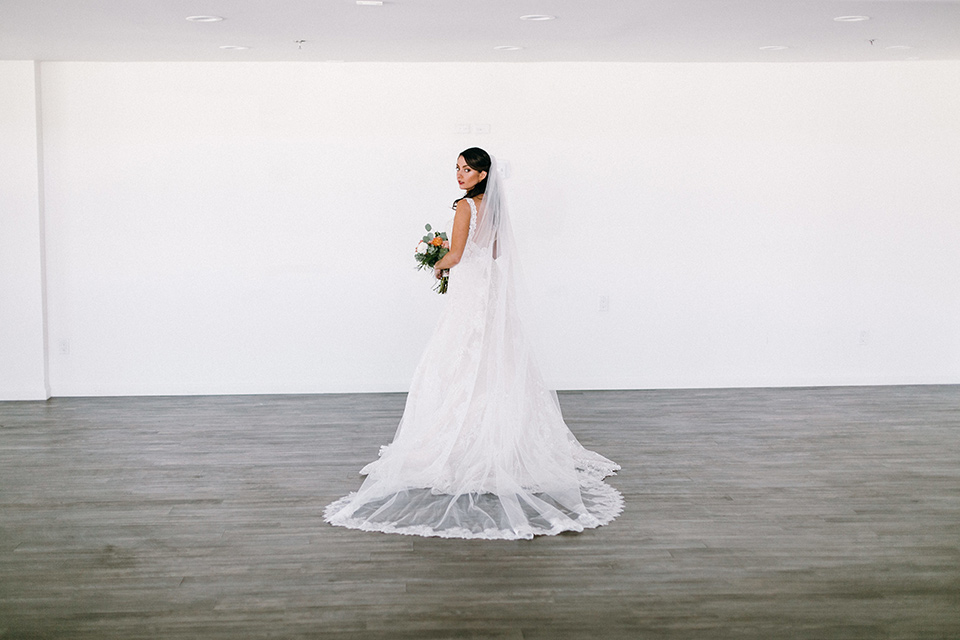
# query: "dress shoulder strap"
(473, 214)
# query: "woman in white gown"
(482, 450)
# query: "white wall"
(22, 358)
(222, 228)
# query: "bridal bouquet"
(430, 250)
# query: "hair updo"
(478, 160)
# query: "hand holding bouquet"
(429, 251)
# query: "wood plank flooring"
(751, 513)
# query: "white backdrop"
(238, 228)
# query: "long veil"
(482, 450)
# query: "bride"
(482, 450)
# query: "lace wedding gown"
(482, 450)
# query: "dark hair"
(478, 160)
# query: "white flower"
(422, 247)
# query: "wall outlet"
(604, 304)
(466, 127)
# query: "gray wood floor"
(779, 513)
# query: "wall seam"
(41, 206)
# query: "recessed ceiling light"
(536, 17)
(233, 47)
(369, 3)
(204, 18)
(773, 47)
(507, 47)
(899, 46)
(851, 18)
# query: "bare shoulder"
(462, 211)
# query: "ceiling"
(469, 30)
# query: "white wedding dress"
(482, 450)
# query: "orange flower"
(437, 241)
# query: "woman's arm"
(458, 238)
